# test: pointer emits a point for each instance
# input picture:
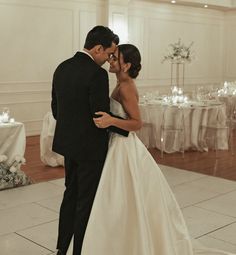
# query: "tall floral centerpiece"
(178, 54)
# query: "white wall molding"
(37, 5)
(24, 87)
(26, 92)
(55, 4)
(22, 82)
(118, 18)
(26, 102)
(33, 127)
(229, 42)
(87, 20)
(21, 97)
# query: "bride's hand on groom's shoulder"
(103, 119)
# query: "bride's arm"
(129, 102)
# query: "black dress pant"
(81, 181)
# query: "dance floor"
(29, 214)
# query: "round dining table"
(12, 140)
(200, 120)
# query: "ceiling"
(224, 5)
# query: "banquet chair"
(212, 129)
(147, 132)
(174, 126)
(47, 156)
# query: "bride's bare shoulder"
(128, 89)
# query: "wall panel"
(165, 24)
(35, 37)
(230, 49)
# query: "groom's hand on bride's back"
(116, 129)
(104, 120)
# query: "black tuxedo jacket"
(80, 88)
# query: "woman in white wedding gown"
(134, 211)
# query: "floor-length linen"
(135, 211)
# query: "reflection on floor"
(29, 215)
(224, 165)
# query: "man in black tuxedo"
(80, 88)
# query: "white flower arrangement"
(179, 53)
(10, 173)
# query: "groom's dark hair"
(100, 35)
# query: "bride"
(134, 211)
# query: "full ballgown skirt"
(135, 211)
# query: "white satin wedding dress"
(135, 211)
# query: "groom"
(80, 88)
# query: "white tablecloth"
(195, 116)
(47, 156)
(230, 102)
(12, 140)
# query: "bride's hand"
(104, 120)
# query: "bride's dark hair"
(131, 55)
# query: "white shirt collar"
(85, 52)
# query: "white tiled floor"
(29, 215)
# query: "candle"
(5, 117)
(165, 99)
(180, 91)
(174, 99)
(181, 99)
(174, 90)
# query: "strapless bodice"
(117, 109)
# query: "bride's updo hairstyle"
(131, 55)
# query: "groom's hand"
(95, 116)
(103, 120)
